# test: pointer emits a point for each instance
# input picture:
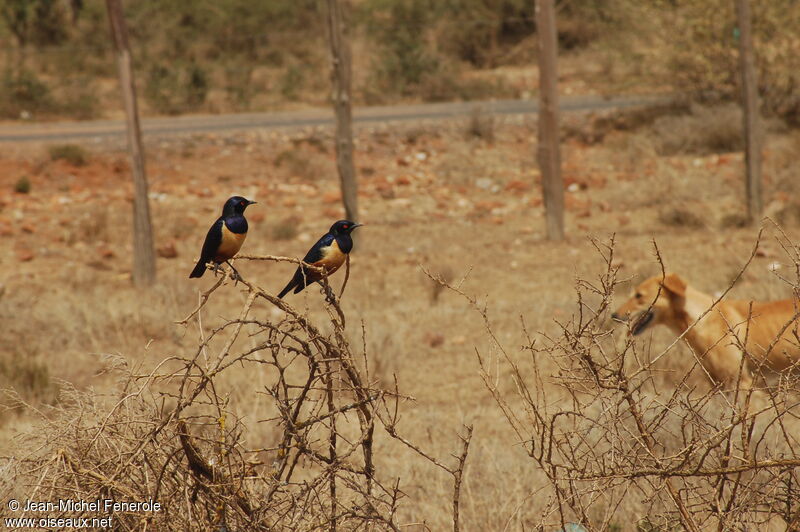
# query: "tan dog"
(670, 301)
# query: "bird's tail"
(297, 279)
(286, 289)
(199, 269)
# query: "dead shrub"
(420, 133)
(680, 217)
(316, 139)
(29, 375)
(712, 129)
(303, 162)
(594, 131)
(285, 229)
(481, 125)
(178, 435)
(788, 214)
(90, 227)
(735, 220)
(615, 442)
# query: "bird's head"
(343, 227)
(236, 205)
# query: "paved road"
(67, 131)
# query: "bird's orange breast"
(230, 245)
(332, 259)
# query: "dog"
(768, 330)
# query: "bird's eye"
(241, 203)
(345, 226)
(638, 295)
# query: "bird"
(225, 237)
(329, 253)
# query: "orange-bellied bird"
(225, 237)
(329, 253)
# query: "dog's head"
(657, 300)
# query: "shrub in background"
(23, 185)
(697, 52)
(21, 91)
(704, 130)
(38, 22)
(402, 32)
(72, 153)
(256, 53)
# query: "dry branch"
(615, 437)
(177, 435)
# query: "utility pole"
(752, 123)
(549, 155)
(341, 96)
(144, 261)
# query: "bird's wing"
(213, 240)
(317, 251)
(302, 276)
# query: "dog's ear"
(674, 285)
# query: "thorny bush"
(618, 444)
(173, 436)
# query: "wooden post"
(341, 85)
(144, 261)
(548, 150)
(752, 123)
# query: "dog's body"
(756, 325)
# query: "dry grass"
(180, 435)
(92, 317)
(614, 440)
(236, 428)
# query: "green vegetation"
(173, 88)
(25, 94)
(72, 153)
(23, 185)
(233, 55)
(22, 91)
(404, 60)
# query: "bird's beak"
(357, 225)
(251, 202)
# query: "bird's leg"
(216, 268)
(235, 275)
